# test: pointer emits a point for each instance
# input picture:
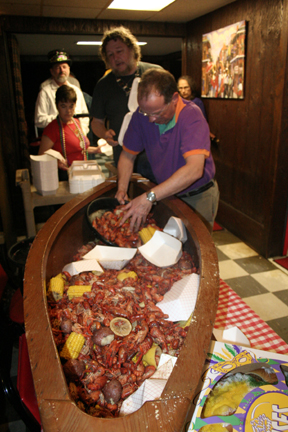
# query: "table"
(234, 312)
(32, 199)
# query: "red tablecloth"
(234, 312)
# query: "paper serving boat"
(110, 257)
(77, 267)
(162, 250)
(55, 154)
(176, 228)
(180, 301)
(151, 388)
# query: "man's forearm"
(182, 178)
(125, 170)
(98, 127)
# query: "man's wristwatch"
(151, 197)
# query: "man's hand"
(99, 129)
(93, 150)
(121, 196)
(109, 137)
(138, 210)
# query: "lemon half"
(120, 326)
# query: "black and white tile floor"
(261, 283)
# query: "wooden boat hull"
(53, 247)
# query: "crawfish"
(144, 348)
(88, 398)
(159, 338)
(148, 372)
(128, 389)
(111, 352)
(97, 384)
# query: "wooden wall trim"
(247, 229)
(184, 56)
(26, 24)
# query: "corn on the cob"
(147, 233)
(78, 290)
(151, 229)
(73, 346)
(56, 287)
(123, 275)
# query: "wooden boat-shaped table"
(53, 247)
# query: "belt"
(199, 190)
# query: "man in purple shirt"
(176, 138)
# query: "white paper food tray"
(109, 257)
(77, 267)
(232, 335)
(176, 228)
(55, 154)
(179, 302)
(162, 250)
(151, 388)
(105, 147)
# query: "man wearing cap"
(45, 109)
(71, 79)
(175, 135)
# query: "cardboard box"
(262, 409)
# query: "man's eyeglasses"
(183, 88)
(156, 115)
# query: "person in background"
(45, 109)
(187, 90)
(175, 135)
(71, 79)
(121, 54)
(65, 134)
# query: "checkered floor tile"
(258, 281)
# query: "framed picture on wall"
(223, 62)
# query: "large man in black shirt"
(121, 54)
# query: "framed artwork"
(223, 62)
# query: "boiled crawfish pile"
(108, 227)
(120, 361)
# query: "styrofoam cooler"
(44, 170)
(84, 175)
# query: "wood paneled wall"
(252, 157)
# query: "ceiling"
(180, 11)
